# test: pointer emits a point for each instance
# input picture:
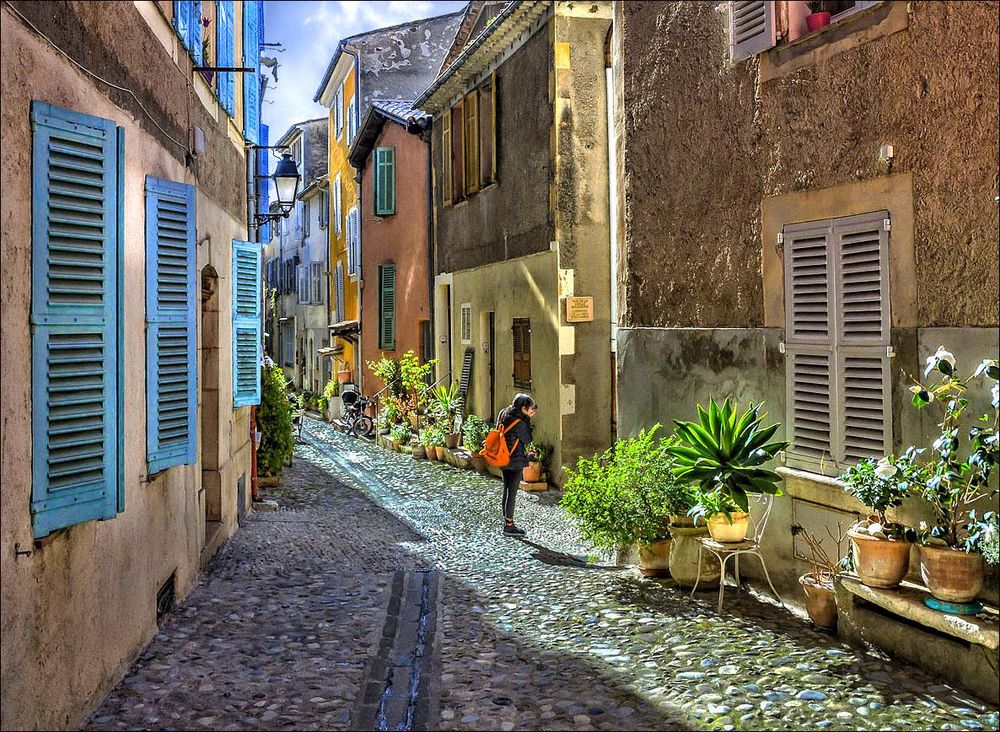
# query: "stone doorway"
(208, 397)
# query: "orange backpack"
(495, 449)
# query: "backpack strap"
(505, 430)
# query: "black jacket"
(521, 433)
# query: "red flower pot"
(817, 20)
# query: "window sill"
(846, 33)
(820, 489)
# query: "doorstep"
(961, 648)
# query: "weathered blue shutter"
(187, 22)
(171, 337)
(251, 81)
(246, 323)
(76, 270)
(182, 20)
(263, 190)
(385, 181)
(225, 55)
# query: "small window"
(352, 122)
(465, 326)
(522, 352)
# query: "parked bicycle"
(356, 417)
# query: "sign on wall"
(579, 309)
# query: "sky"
(309, 30)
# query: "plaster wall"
(82, 605)
(400, 239)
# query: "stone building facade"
(521, 206)
(128, 278)
(804, 218)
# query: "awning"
(345, 328)
(330, 351)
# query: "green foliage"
(474, 432)
(431, 437)
(539, 452)
(712, 502)
(274, 419)
(726, 450)
(387, 369)
(627, 493)
(400, 432)
(880, 485)
(332, 389)
(984, 536)
(445, 405)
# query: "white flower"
(996, 394)
(941, 356)
(885, 469)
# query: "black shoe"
(512, 530)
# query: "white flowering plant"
(882, 485)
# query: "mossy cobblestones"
(282, 629)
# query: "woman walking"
(515, 420)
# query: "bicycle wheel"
(363, 426)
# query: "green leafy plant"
(387, 369)
(710, 503)
(274, 419)
(445, 405)
(815, 6)
(474, 432)
(627, 493)
(984, 536)
(726, 451)
(400, 432)
(881, 485)
(332, 389)
(539, 452)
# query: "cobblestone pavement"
(304, 614)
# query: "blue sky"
(310, 31)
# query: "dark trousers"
(511, 482)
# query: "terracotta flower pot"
(451, 440)
(821, 603)
(532, 472)
(951, 574)
(817, 20)
(395, 444)
(478, 462)
(654, 559)
(442, 453)
(684, 558)
(418, 452)
(344, 377)
(879, 562)
(729, 533)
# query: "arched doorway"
(208, 398)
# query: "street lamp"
(286, 179)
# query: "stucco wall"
(510, 218)
(82, 605)
(697, 163)
(400, 239)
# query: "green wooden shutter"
(387, 306)
(246, 323)
(76, 371)
(385, 181)
(171, 336)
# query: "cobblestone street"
(378, 567)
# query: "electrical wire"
(99, 78)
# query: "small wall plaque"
(579, 309)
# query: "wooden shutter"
(465, 323)
(76, 206)
(472, 142)
(306, 223)
(752, 27)
(385, 181)
(171, 337)
(337, 205)
(387, 306)
(466, 378)
(339, 291)
(225, 42)
(446, 185)
(263, 189)
(246, 323)
(457, 154)
(808, 280)
(187, 22)
(252, 28)
(487, 132)
(522, 352)
(356, 228)
(810, 404)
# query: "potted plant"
(538, 458)
(724, 453)
(417, 449)
(953, 478)
(274, 420)
(439, 447)
(881, 548)
(623, 496)
(817, 583)
(398, 435)
(428, 438)
(818, 17)
(334, 407)
(474, 432)
(445, 407)
(206, 47)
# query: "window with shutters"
(77, 358)
(352, 121)
(465, 323)
(225, 45)
(385, 181)
(752, 27)
(487, 133)
(316, 283)
(387, 307)
(306, 221)
(171, 338)
(338, 112)
(337, 204)
(302, 285)
(246, 323)
(446, 185)
(187, 24)
(324, 208)
(457, 153)
(253, 25)
(338, 289)
(522, 352)
(353, 225)
(837, 339)
(471, 154)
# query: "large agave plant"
(725, 451)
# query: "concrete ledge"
(819, 489)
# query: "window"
(338, 112)
(288, 343)
(387, 306)
(352, 121)
(385, 181)
(465, 324)
(338, 283)
(522, 352)
(302, 284)
(471, 154)
(77, 359)
(306, 222)
(171, 337)
(837, 332)
(316, 296)
(246, 323)
(353, 226)
(457, 154)
(487, 133)
(337, 203)
(469, 144)
(225, 43)
(324, 208)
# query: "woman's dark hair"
(513, 411)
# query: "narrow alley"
(381, 595)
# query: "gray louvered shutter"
(171, 350)
(751, 27)
(76, 270)
(338, 282)
(862, 297)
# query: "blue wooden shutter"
(182, 20)
(251, 81)
(385, 181)
(187, 22)
(246, 323)
(171, 337)
(387, 306)
(76, 273)
(225, 54)
(263, 189)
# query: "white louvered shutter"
(171, 338)
(862, 296)
(338, 282)
(752, 27)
